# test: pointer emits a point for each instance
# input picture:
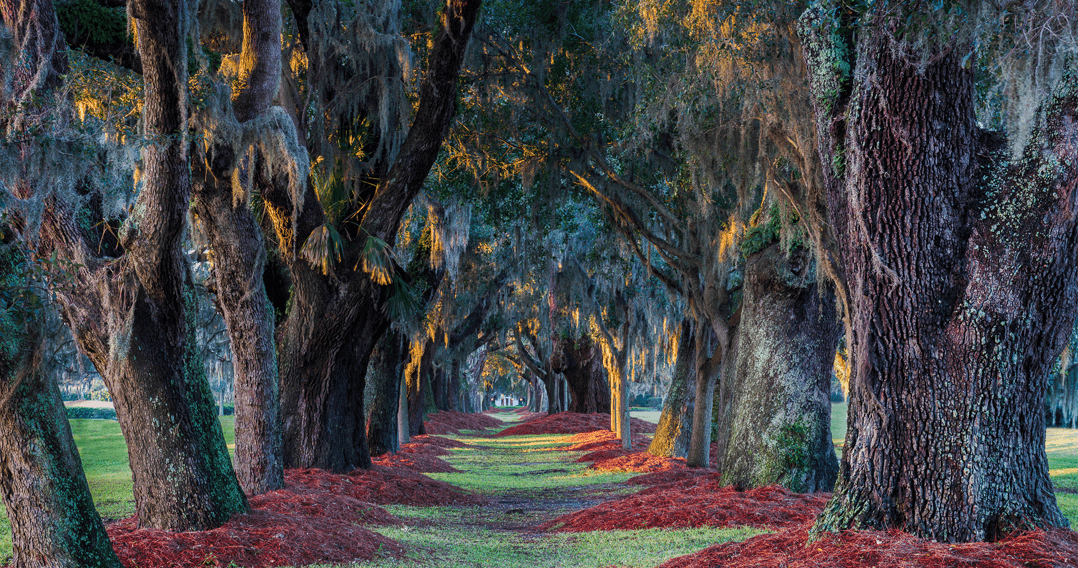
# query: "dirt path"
(527, 481)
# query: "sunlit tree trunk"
(961, 281)
(671, 437)
(774, 422)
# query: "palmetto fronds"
(323, 248)
(377, 261)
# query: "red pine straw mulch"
(668, 476)
(850, 549)
(450, 422)
(294, 526)
(572, 423)
(437, 441)
(385, 486)
(696, 502)
(422, 455)
(607, 455)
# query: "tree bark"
(671, 437)
(239, 256)
(418, 366)
(775, 420)
(386, 363)
(133, 315)
(581, 361)
(49, 507)
(699, 454)
(962, 286)
(327, 337)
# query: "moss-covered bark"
(774, 422)
(52, 515)
(962, 284)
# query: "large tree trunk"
(671, 437)
(775, 418)
(327, 337)
(133, 315)
(52, 516)
(239, 255)
(961, 287)
(387, 365)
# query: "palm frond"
(323, 248)
(403, 303)
(377, 261)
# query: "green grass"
(456, 541)
(521, 464)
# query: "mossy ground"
(528, 480)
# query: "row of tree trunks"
(961, 283)
(1061, 402)
(133, 315)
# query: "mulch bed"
(450, 422)
(438, 441)
(854, 549)
(385, 486)
(572, 423)
(312, 520)
(606, 455)
(294, 526)
(421, 454)
(696, 501)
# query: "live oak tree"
(955, 251)
(334, 318)
(131, 309)
(244, 135)
(679, 186)
(49, 507)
